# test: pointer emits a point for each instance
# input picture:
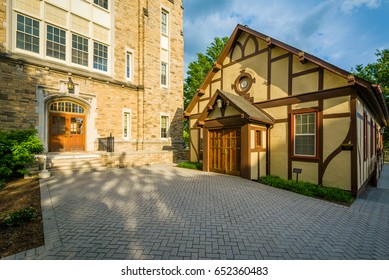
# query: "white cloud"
(349, 5)
(336, 31)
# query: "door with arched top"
(67, 127)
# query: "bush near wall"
(309, 189)
(191, 165)
(17, 150)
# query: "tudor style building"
(83, 70)
(268, 108)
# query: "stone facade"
(31, 82)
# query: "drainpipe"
(268, 149)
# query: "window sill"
(305, 158)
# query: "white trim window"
(164, 74)
(100, 56)
(127, 124)
(305, 134)
(27, 34)
(80, 50)
(48, 31)
(129, 65)
(164, 126)
(164, 22)
(56, 42)
(101, 3)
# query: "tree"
(197, 70)
(377, 73)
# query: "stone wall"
(136, 28)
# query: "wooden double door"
(66, 132)
(224, 151)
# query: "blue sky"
(342, 32)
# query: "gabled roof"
(373, 90)
(247, 110)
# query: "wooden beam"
(200, 92)
(302, 57)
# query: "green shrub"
(17, 149)
(2, 183)
(191, 165)
(308, 189)
(18, 217)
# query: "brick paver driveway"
(164, 212)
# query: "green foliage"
(308, 189)
(17, 149)
(377, 73)
(191, 165)
(197, 71)
(2, 183)
(18, 217)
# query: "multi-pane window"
(305, 134)
(128, 65)
(164, 22)
(56, 42)
(27, 34)
(126, 125)
(258, 138)
(66, 106)
(100, 56)
(79, 50)
(164, 126)
(101, 3)
(164, 73)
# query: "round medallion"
(243, 83)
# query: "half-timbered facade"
(79, 71)
(268, 108)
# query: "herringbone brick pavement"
(164, 212)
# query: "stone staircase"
(67, 164)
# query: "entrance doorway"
(66, 127)
(225, 151)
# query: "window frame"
(162, 135)
(127, 117)
(315, 155)
(129, 62)
(100, 3)
(164, 76)
(72, 34)
(258, 138)
(62, 53)
(100, 57)
(47, 41)
(165, 31)
(24, 33)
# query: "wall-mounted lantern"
(70, 85)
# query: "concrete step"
(70, 164)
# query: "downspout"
(268, 149)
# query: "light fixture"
(219, 103)
(70, 85)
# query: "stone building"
(79, 71)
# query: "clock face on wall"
(243, 82)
